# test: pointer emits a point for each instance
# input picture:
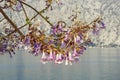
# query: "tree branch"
(38, 13)
(13, 25)
(30, 20)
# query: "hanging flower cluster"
(63, 44)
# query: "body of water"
(95, 64)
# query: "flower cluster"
(98, 26)
(63, 45)
(8, 45)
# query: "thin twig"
(24, 10)
(38, 13)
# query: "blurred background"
(95, 64)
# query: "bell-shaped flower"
(51, 56)
(75, 54)
(78, 39)
(66, 61)
(102, 25)
(66, 37)
(59, 59)
(81, 50)
(44, 58)
(96, 31)
(63, 44)
(26, 47)
(70, 57)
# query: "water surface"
(95, 64)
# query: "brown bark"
(11, 22)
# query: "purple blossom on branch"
(102, 25)
(18, 6)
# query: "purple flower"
(96, 31)
(57, 29)
(36, 51)
(51, 56)
(66, 37)
(18, 7)
(60, 27)
(102, 25)
(51, 42)
(63, 44)
(27, 40)
(81, 51)
(68, 31)
(35, 45)
(75, 54)
(70, 57)
(3, 47)
(66, 61)
(53, 31)
(80, 35)
(44, 58)
(2, 50)
(59, 59)
(78, 39)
